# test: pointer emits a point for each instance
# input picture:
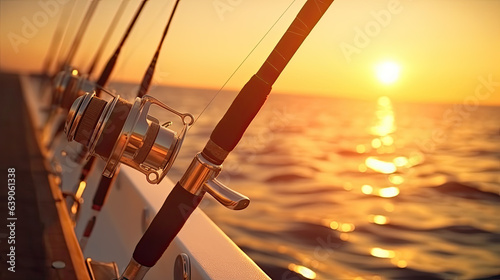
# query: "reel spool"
(118, 131)
(68, 86)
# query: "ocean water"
(344, 189)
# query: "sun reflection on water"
(396, 179)
(302, 270)
(380, 165)
(382, 253)
(379, 219)
(385, 117)
(388, 192)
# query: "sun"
(387, 72)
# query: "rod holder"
(201, 177)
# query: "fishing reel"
(68, 86)
(118, 131)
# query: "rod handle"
(235, 121)
(165, 226)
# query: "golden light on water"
(382, 253)
(379, 219)
(376, 143)
(401, 263)
(360, 149)
(396, 179)
(302, 270)
(343, 227)
(384, 102)
(389, 254)
(367, 189)
(380, 165)
(387, 140)
(401, 161)
(334, 225)
(382, 192)
(347, 227)
(385, 118)
(347, 186)
(388, 192)
(362, 168)
(416, 158)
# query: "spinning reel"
(68, 86)
(118, 131)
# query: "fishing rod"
(69, 84)
(57, 98)
(107, 36)
(106, 183)
(108, 69)
(79, 34)
(56, 38)
(200, 177)
(65, 84)
(101, 82)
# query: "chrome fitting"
(200, 177)
(134, 271)
(182, 267)
(198, 173)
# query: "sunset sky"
(445, 51)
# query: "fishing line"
(148, 76)
(80, 32)
(59, 33)
(110, 65)
(107, 36)
(242, 62)
(65, 37)
(132, 49)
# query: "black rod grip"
(233, 124)
(166, 225)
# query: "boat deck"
(41, 235)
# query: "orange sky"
(448, 51)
